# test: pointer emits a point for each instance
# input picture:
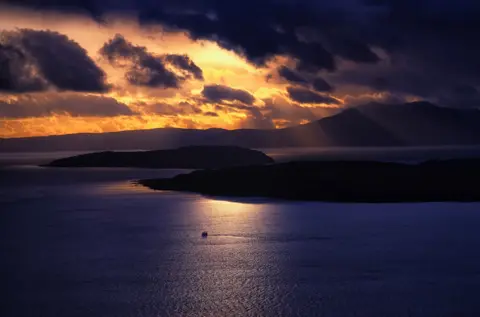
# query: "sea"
(92, 243)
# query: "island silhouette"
(191, 157)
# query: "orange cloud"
(152, 107)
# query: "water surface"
(87, 242)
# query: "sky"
(99, 66)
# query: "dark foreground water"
(88, 243)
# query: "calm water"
(403, 154)
(89, 243)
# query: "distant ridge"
(373, 124)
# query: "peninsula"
(342, 181)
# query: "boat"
(204, 234)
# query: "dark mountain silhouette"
(193, 157)
(411, 124)
(423, 123)
(336, 181)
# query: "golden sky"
(151, 107)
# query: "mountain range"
(372, 124)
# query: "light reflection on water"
(233, 265)
(230, 265)
(122, 188)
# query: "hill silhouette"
(373, 124)
(193, 157)
(336, 181)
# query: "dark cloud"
(429, 47)
(270, 29)
(257, 120)
(279, 108)
(119, 48)
(151, 72)
(291, 75)
(303, 95)
(304, 79)
(319, 84)
(382, 98)
(401, 80)
(276, 112)
(353, 50)
(147, 69)
(77, 105)
(461, 96)
(184, 63)
(219, 93)
(63, 62)
(34, 60)
(416, 47)
(15, 72)
(256, 117)
(465, 91)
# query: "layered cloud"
(71, 104)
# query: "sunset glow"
(219, 66)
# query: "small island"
(343, 181)
(191, 157)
